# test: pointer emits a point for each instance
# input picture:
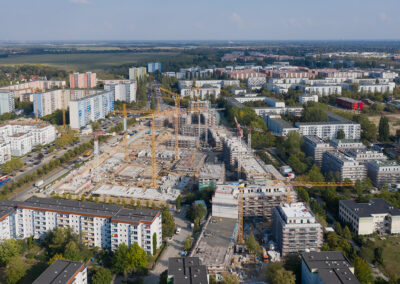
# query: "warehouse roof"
(60, 272)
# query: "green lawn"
(85, 61)
(391, 252)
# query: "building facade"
(383, 172)
(137, 73)
(296, 229)
(91, 108)
(367, 218)
(82, 81)
(101, 225)
(124, 91)
(153, 67)
(6, 102)
(346, 167)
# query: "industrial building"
(377, 215)
(64, 272)
(101, 225)
(82, 81)
(186, 270)
(350, 103)
(383, 172)
(345, 166)
(326, 267)
(6, 102)
(296, 229)
(86, 109)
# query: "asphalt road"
(173, 249)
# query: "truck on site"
(88, 153)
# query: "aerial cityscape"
(199, 143)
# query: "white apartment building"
(64, 272)
(30, 87)
(347, 167)
(322, 90)
(202, 92)
(383, 172)
(255, 83)
(23, 137)
(101, 225)
(308, 98)
(296, 229)
(86, 109)
(5, 152)
(6, 102)
(123, 91)
(201, 83)
(367, 218)
(137, 73)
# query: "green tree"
(178, 202)
(314, 113)
(384, 129)
(164, 277)
(96, 126)
(188, 243)
(230, 279)
(168, 223)
(253, 246)
(72, 251)
(102, 276)
(362, 271)
(199, 211)
(122, 261)
(303, 195)
(271, 270)
(340, 134)
(283, 276)
(338, 229)
(10, 166)
(9, 249)
(154, 243)
(378, 255)
(346, 232)
(16, 269)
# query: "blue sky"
(199, 20)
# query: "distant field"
(84, 61)
(394, 122)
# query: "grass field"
(85, 61)
(394, 121)
(391, 252)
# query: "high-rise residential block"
(82, 81)
(137, 73)
(153, 67)
(6, 102)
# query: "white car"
(178, 230)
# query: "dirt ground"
(394, 121)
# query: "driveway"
(174, 247)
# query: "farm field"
(85, 61)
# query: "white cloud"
(79, 1)
(237, 19)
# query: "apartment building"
(82, 81)
(296, 229)
(259, 200)
(153, 67)
(101, 225)
(64, 272)
(19, 90)
(315, 147)
(83, 110)
(137, 73)
(278, 126)
(203, 92)
(330, 128)
(367, 218)
(6, 102)
(322, 90)
(326, 267)
(256, 83)
(365, 155)
(201, 83)
(383, 172)
(123, 91)
(346, 167)
(5, 152)
(308, 98)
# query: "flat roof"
(374, 206)
(60, 272)
(281, 122)
(331, 266)
(296, 210)
(187, 270)
(116, 213)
